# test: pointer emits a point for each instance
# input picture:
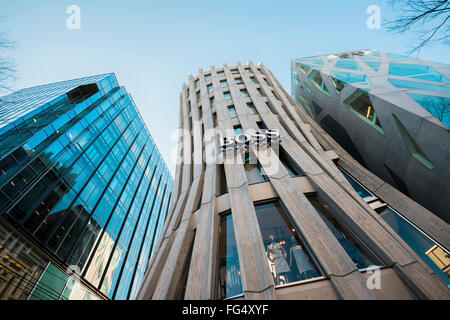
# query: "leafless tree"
(429, 19)
(7, 69)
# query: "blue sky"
(153, 46)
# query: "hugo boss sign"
(243, 141)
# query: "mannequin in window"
(305, 268)
(277, 254)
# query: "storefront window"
(229, 270)
(432, 254)
(288, 257)
(357, 254)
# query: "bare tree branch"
(7, 68)
(429, 19)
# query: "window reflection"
(363, 193)
(253, 171)
(357, 254)
(229, 270)
(432, 254)
(287, 255)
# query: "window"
(222, 187)
(212, 102)
(200, 112)
(437, 106)
(430, 252)
(198, 96)
(234, 71)
(220, 74)
(229, 281)
(417, 85)
(223, 83)
(363, 193)
(255, 174)
(232, 112)
(359, 104)
(359, 257)
(210, 88)
(288, 256)
(350, 77)
(302, 67)
(197, 83)
(251, 108)
(261, 92)
(82, 93)
(208, 77)
(244, 93)
(338, 84)
(227, 95)
(347, 64)
(238, 130)
(290, 166)
(317, 80)
(417, 71)
(215, 119)
(239, 81)
(261, 125)
(413, 147)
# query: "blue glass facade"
(82, 184)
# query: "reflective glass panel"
(288, 257)
(359, 257)
(229, 269)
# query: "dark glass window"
(289, 164)
(82, 93)
(244, 93)
(232, 111)
(229, 269)
(288, 256)
(363, 193)
(431, 253)
(254, 172)
(251, 108)
(354, 250)
(222, 187)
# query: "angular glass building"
(84, 192)
(390, 112)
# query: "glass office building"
(390, 112)
(84, 192)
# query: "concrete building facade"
(294, 218)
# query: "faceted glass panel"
(359, 104)
(437, 106)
